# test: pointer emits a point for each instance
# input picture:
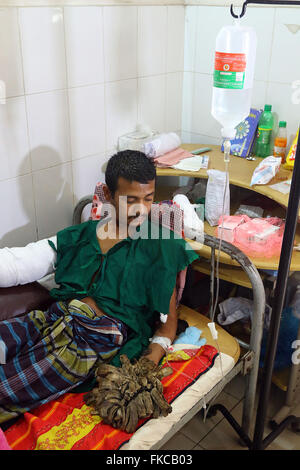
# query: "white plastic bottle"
(233, 76)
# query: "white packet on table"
(266, 170)
(214, 197)
(161, 144)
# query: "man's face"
(132, 201)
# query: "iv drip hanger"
(260, 442)
(262, 2)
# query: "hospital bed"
(234, 357)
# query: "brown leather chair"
(19, 300)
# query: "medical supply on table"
(264, 133)
(161, 144)
(202, 150)
(266, 170)
(135, 140)
(283, 187)
(290, 159)
(242, 144)
(280, 142)
(227, 229)
(260, 237)
(172, 158)
(256, 237)
(193, 163)
(233, 76)
(250, 211)
(217, 198)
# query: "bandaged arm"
(168, 330)
(21, 265)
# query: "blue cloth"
(287, 335)
(191, 336)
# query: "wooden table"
(240, 173)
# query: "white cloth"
(162, 144)
(192, 163)
(21, 265)
(193, 225)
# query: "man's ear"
(107, 193)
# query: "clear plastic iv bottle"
(233, 76)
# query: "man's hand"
(155, 352)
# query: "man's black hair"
(131, 165)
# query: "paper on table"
(193, 163)
(283, 187)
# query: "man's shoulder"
(75, 232)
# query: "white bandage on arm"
(163, 341)
(21, 265)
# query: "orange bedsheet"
(67, 424)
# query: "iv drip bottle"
(233, 76)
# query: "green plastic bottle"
(264, 133)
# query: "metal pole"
(262, 2)
(279, 295)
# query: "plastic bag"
(290, 159)
(260, 237)
(161, 144)
(228, 225)
(216, 196)
(266, 170)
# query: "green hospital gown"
(135, 280)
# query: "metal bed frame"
(248, 363)
(251, 359)
(282, 419)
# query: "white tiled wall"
(277, 67)
(76, 78)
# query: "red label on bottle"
(229, 62)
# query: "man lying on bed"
(112, 287)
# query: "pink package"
(230, 224)
(260, 237)
(3, 442)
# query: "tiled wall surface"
(277, 67)
(77, 78)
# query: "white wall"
(277, 67)
(76, 78)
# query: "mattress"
(67, 423)
(150, 435)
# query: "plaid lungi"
(49, 353)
